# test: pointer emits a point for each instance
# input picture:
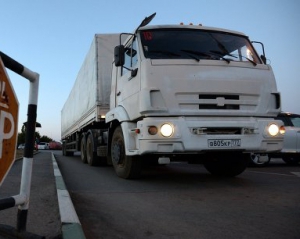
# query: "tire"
(64, 150)
(83, 149)
(256, 159)
(69, 153)
(291, 160)
(91, 155)
(227, 165)
(125, 166)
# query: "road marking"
(296, 173)
(70, 222)
(280, 174)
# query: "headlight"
(166, 130)
(273, 129)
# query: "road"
(43, 213)
(184, 201)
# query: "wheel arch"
(118, 114)
(129, 137)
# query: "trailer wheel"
(125, 166)
(64, 152)
(69, 153)
(83, 149)
(91, 156)
(227, 165)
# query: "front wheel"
(83, 149)
(226, 165)
(125, 166)
(291, 160)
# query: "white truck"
(172, 92)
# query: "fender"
(118, 113)
(130, 138)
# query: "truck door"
(128, 81)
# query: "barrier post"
(23, 199)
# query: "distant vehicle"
(290, 152)
(21, 146)
(55, 145)
(43, 145)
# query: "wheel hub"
(117, 153)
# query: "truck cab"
(191, 92)
(172, 92)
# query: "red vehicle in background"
(55, 145)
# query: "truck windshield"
(197, 44)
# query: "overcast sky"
(53, 37)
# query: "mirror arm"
(263, 56)
(133, 71)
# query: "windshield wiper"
(221, 55)
(192, 54)
(223, 49)
(228, 60)
(253, 62)
(198, 53)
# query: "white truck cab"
(172, 92)
(191, 92)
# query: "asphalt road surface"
(184, 201)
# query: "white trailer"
(172, 92)
(88, 101)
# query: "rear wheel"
(83, 149)
(91, 155)
(125, 166)
(65, 151)
(69, 153)
(227, 165)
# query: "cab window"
(131, 58)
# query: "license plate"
(224, 143)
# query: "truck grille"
(217, 131)
(226, 102)
(194, 101)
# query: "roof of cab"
(191, 27)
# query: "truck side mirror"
(264, 59)
(119, 55)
